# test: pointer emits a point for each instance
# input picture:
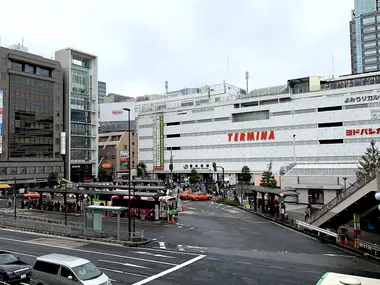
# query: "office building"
(114, 153)
(117, 98)
(32, 138)
(364, 37)
(81, 113)
(321, 126)
(102, 91)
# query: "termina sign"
(251, 136)
(117, 112)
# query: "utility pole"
(171, 168)
(14, 199)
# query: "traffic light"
(377, 197)
(171, 166)
(214, 166)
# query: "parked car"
(60, 269)
(13, 269)
(32, 195)
(199, 196)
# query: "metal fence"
(342, 196)
(54, 226)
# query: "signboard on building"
(362, 132)
(363, 98)
(112, 112)
(1, 121)
(124, 159)
(63, 143)
(251, 136)
(158, 143)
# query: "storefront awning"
(4, 186)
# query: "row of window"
(31, 170)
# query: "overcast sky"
(140, 44)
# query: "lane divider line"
(175, 268)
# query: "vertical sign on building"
(124, 159)
(1, 121)
(63, 143)
(162, 143)
(154, 144)
(158, 143)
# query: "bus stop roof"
(106, 208)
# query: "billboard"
(124, 159)
(158, 143)
(1, 121)
(112, 112)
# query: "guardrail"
(35, 223)
(372, 248)
(316, 229)
(342, 196)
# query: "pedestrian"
(9, 202)
(307, 215)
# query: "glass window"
(369, 44)
(370, 52)
(87, 271)
(369, 29)
(368, 20)
(369, 37)
(31, 116)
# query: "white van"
(60, 269)
(331, 278)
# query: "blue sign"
(1, 129)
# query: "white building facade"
(81, 113)
(308, 121)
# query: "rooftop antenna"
(246, 79)
(333, 65)
(22, 41)
(166, 87)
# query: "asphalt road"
(210, 243)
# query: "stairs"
(335, 212)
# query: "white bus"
(331, 278)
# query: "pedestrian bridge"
(356, 199)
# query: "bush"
(227, 202)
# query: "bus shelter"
(97, 217)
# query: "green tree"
(53, 179)
(141, 170)
(245, 174)
(194, 177)
(102, 175)
(369, 161)
(267, 178)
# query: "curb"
(81, 238)
(357, 252)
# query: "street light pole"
(14, 199)
(294, 149)
(129, 170)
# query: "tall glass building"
(102, 91)
(364, 36)
(81, 113)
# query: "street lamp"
(129, 169)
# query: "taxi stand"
(96, 212)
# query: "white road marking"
(162, 245)
(197, 247)
(233, 211)
(86, 251)
(123, 263)
(175, 268)
(202, 210)
(338, 255)
(180, 248)
(191, 208)
(122, 272)
(152, 254)
(188, 229)
(154, 238)
(229, 206)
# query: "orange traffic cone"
(356, 244)
(182, 208)
(345, 241)
(173, 221)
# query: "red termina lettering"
(236, 137)
(229, 137)
(264, 135)
(242, 136)
(250, 136)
